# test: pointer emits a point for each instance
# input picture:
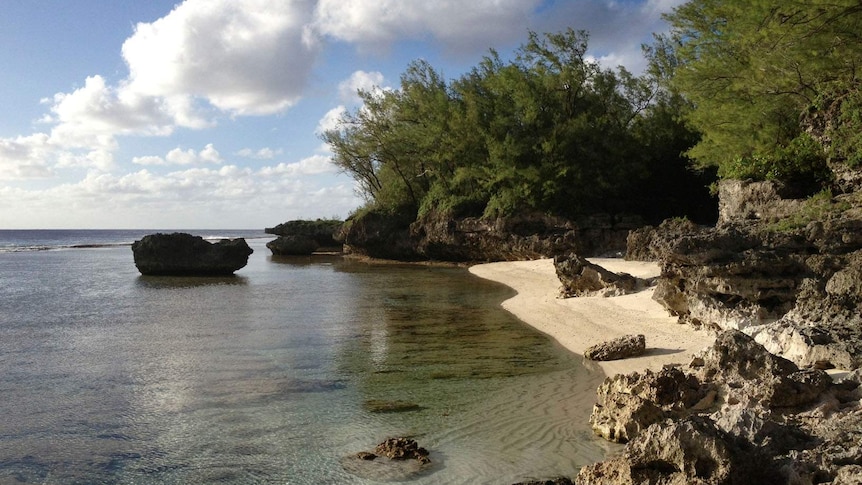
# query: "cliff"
(438, 237)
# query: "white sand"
(577, 323)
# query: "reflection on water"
(273, 376)
(189, 281)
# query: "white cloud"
(265, 153)
(25, 157)
(243, 56)
(227, 196)
(478, 24)
(178, 156)
(366, 81)
(330, 120)
(313, 165)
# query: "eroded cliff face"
(788, 272)
(439, 237)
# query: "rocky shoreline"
(779, 281)
(776, 285)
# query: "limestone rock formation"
(181, 254)
(788, 274)
(737, 414)
(618, 348)
(581, 277)
(443, 238)
(301, 237)
(292, 246)
(628, 404)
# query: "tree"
(751, 69)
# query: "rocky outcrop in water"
(395, 459)
(181, 254)
(788, 272)
(301, 237)
(736, 415)
(442, 238)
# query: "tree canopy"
(549, 131)
(758, 73)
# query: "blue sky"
(206, 113)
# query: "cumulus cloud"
(243, 56)
(313, 165)
(232, 195)
(359, 80)
(265, 153)
(458, 25)
(330, 120)
(25, 157)
(178, 156)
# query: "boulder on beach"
(181, 254)
(618, 348)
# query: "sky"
(206, 114)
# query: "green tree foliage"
(751, 69)
(548, 131)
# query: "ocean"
(280, 374)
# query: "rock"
(797, 289)
(628, 404)
(322, 231)
(618, 348)
(393, 460)
(581, 277)
(381, 406)
(550, 481)
(402, 449)
(758, 377)
(181, 254)
(690, 451)
(292, 246)
(434, 236)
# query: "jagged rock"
(649, 243)
(395, 459)
(377, 234)
(690, 451)
(581, 277)
(627, 404)
(402, 449)
(746, 200)
(181, 254)
(440, 237)
(796, 289)
(292, 245)
(618, 348)
(322, 231)
(758, 377)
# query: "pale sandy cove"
(578, 323)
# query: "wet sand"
(578, 323)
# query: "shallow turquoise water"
(273, 376)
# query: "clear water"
(273, 376)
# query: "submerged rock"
(395, 459)
(181, 254)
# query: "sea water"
(278, 375)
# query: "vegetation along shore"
(728, 176)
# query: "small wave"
(25, 249)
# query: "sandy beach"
(578, 323)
